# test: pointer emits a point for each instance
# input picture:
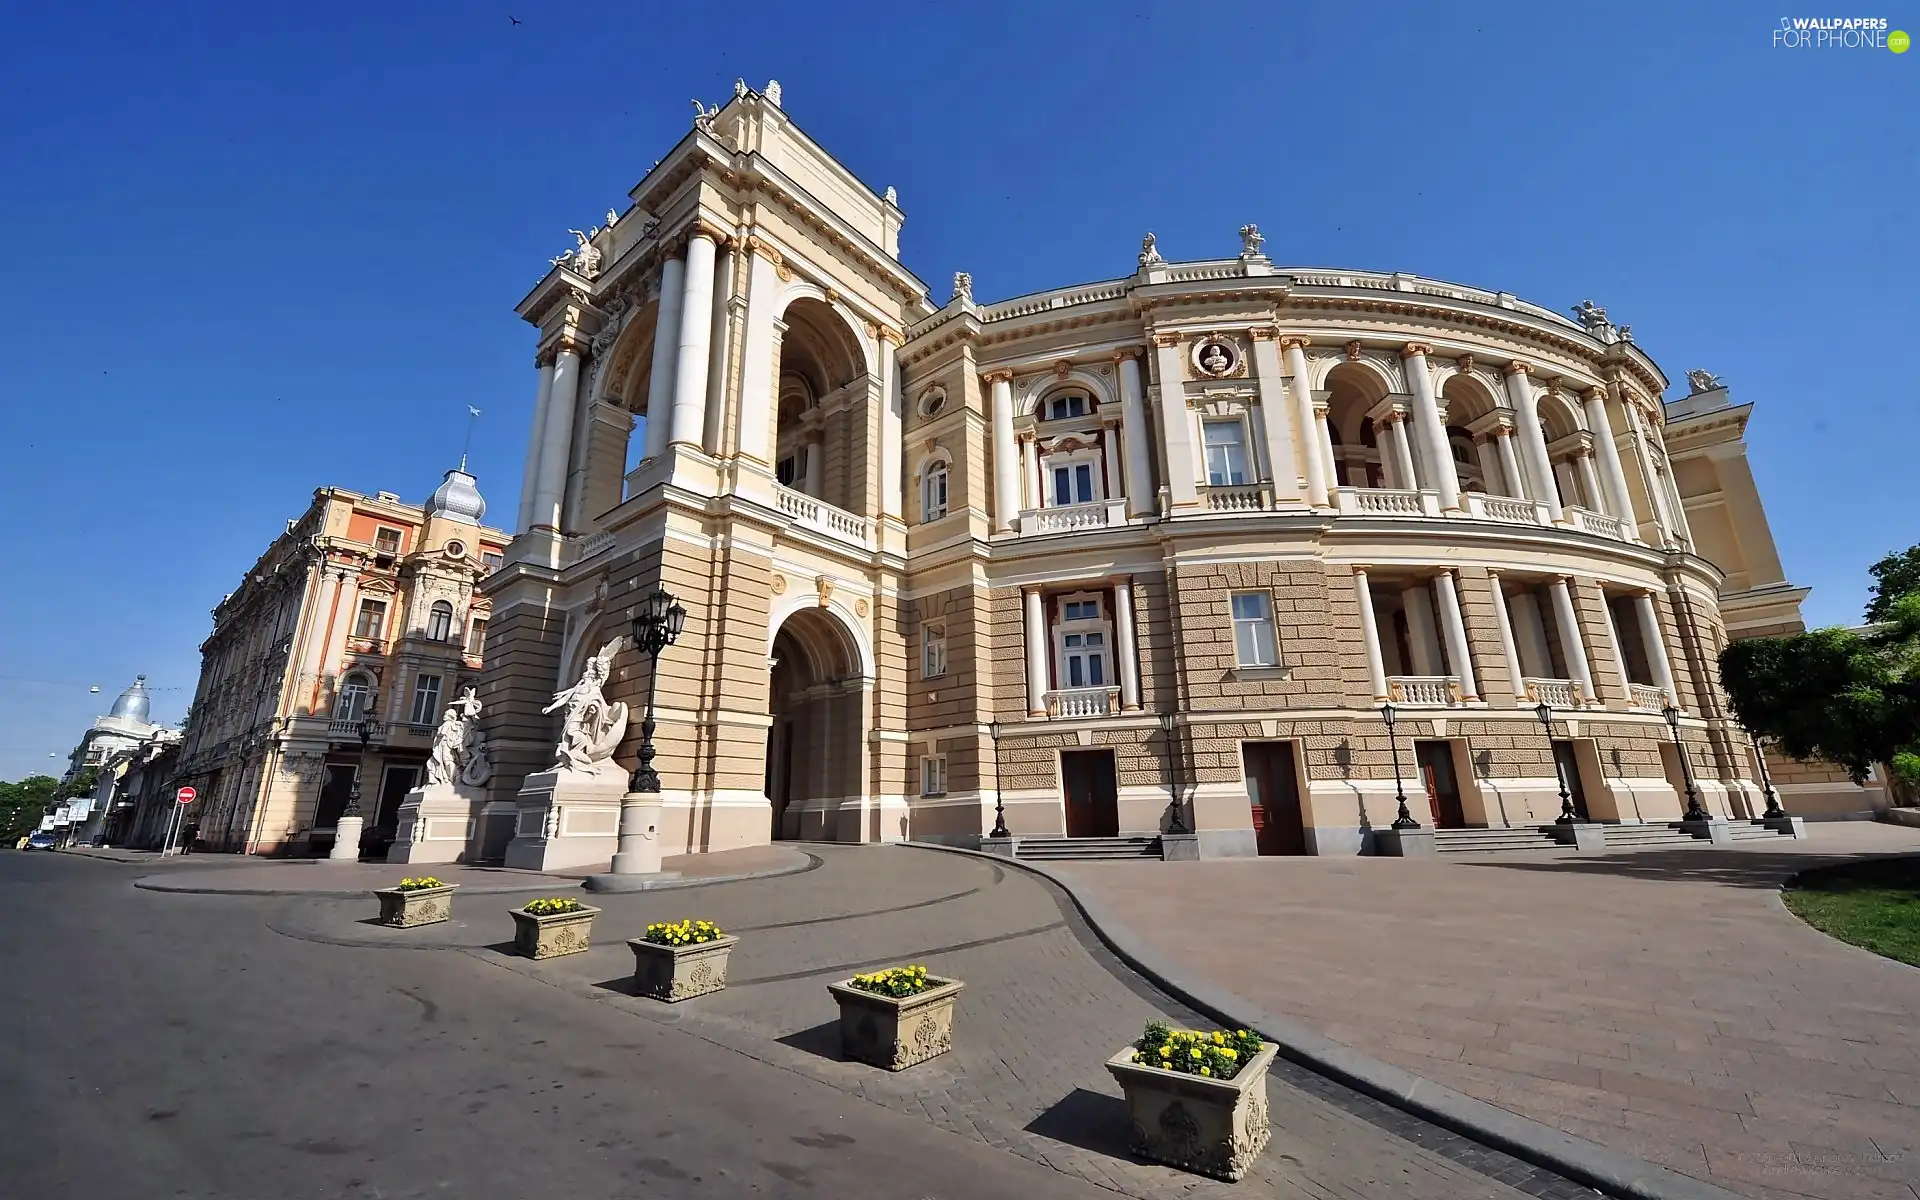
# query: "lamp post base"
(346, 840)
(1404, 843)
(639, 852)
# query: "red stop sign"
(185, 795)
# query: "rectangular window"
(1226, 453)
(477, 637)
(426, 700)
(372, 619)
(386, 541)
(933, 775)
(1066, 405)
(1254, 644)
(492, 559)
(933, 499)
(1072, 484)
(933, 651)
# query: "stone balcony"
(1560, 693)
(1098, 515)
(1475, 506)
(1083, 702)
(1425, 691)
(817, 516)
(1646, 698)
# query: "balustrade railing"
(1646, 698)
(1596, 522)
(1386, 502)
(1097, 515)
(1238, 497)
(824, 518)
(1424, 691)
(1505, 508)
(1083, 702)
(1560, 693)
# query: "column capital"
(1263, 333)
(1596, 394)
(1360, 571)
(1125, 353)
(1165, 340)
(1412, 348)
(1516, 367)
(1001, 375)
(1295, 341)
(702, 227)
(888, 333)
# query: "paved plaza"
(1661, 1002)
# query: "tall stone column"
(1370, 632)
(666, 353)
(1590, 481)
(1323, 432)
(1572, 646)
(1489, 456)
(713, 430)
(1110, 458)
(1422, 641)
(760, 352)
(1034, 495)
(1433, 432)
(1533, 441)
(1514, 483)
(1176, 424)
(892, 426)
(1446, 591)
(556, 441)
(1656, 645)
(1276, 421)
(1123, 636)
(696, 343)
(1405, 476)
(1619, 500)
(529, 479)
(1006, 461)
(1503, 622)
(1036, 639)
(1133, 412)
(1311, 439)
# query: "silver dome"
(134, 704)
(457, 499)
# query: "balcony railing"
(345, 730)
(1238, 497)
(1083, 702)
(1505, 508)
(836, 524)
(581, 548)
(1645, 697)
(1424, 691)
(1560, 693)
(1386, 502)
(1600, 523)
(1097, 515)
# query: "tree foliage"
(22, 803)
(1895, 576)
(1850, 698)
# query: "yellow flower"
(1219, 1039)
(1230, 1055)
(1166, 1052)
(1206, 1072)
(1194, 1053)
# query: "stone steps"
(1748, 830)
(1090, 849)
(1468, 841)
(1648, 835)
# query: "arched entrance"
(816, 776)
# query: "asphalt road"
(174, 1046)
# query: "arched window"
(933, 491)
(440, 621)
(355, 690)
(1065, 405)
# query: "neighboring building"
(1177, 533)
(125, 724)
(364, 606)
(135, 782)
(1706, 439)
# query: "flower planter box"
(895, 1032)
(552, 936)
(676, 973)
(1209, 1126)
(420, 906)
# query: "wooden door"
(1435, 763)
(1092, 793)
(1273, 788)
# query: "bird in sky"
(513, 19)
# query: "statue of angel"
(591, 727)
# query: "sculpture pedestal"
(346, 840)
(436, 824)
(568, 819)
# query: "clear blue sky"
(248, 250)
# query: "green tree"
(82, 784)
(21, 805)
(1894, 576)
(1849, 698)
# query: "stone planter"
(675, 973)
(895, 1032)
(1208, 1126)
(421, 906)
(552, 936)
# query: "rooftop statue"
(1150, 252)
(1250, 241)
(1703, 381)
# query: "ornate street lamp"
(1567, 816)
(657, 623)
(1402, 819)
(366, 731)
(999, 799)
(1694, 811)
(1766, 779)
(1176, 816)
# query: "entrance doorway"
(1567, 763)
(816, 767)
(1434, 761)
(1273, 787)
(1092, 793)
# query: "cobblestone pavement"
(1043, 1009)
(1662, 1002)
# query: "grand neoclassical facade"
(1102, 557)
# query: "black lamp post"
(1567, 816)
(999, 800)
(369, 726)
(1766, 779)
(657, 623)
(1176, 817)
(1402, 819)
(1694, 811)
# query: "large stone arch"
(820, 707)
(823, 386)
